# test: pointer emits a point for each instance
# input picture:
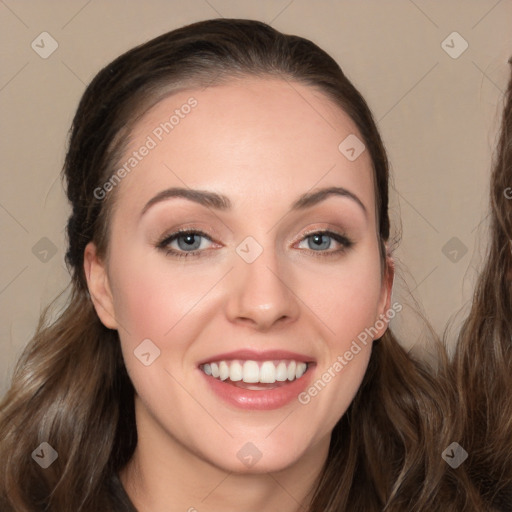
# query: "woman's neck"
(166, 476)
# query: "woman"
(225, 345)
(483, 359)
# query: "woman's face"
(260, 293)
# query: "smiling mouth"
(256, 375)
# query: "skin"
(261, 143)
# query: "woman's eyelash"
(345, 242)
(163, 245)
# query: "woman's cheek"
(149, 296)
(348, 303)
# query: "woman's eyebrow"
(221, 202)
(311, 198)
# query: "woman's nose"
(261, 294)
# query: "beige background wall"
(438, 116)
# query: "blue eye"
(321, 241)
(189, 243)
(184, 243)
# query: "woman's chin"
(261, 455)
(251, 461)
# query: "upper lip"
(254, 355)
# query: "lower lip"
(265, 399)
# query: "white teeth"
(268, 372)
(292, 367)
(301, 368)
(282, 372)
(223, 370)
(235, 372)
(254, 372)
(251, 372)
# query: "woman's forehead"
(261, 103)
(248, 136)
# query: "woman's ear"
(99, 286)
(386, 291)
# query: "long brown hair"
(70, 387)
(483, 358)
